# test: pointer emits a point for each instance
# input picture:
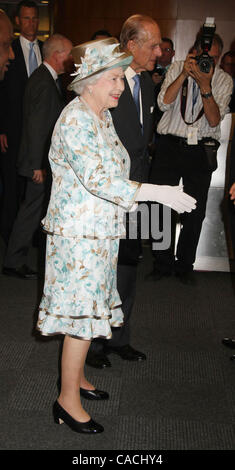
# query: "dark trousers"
(175, 159)
(30, 213)
(13, 187)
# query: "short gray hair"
(80, 86)
(134, 29)
(52, 44)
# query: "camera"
(159, 69)
(204, 61)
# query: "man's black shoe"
(186, 278)
(94, 394)
(24, 272)
(156, 275)
(229, 342)
(98, 360)
(126, 352)
(232, 357)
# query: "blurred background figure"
(6, 35)
(27, 51)
(228, 65)
(101, 34)
(6, 52)
(164, 61)
(43, 103)
(158, 74)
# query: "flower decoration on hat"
(96, 58)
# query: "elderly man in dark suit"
(43, 103)
(133, 120)
(27, 51)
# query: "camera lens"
(205, 66)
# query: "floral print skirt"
(80, 297)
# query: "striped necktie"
(32, 59)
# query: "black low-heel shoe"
(61, 416)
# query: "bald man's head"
(6, 35)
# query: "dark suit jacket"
(42, 106)
(128, 127)
(232, 161)
(11, 97)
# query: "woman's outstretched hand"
(171, 196)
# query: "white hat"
(94, 56)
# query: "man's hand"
(203, 79)
(3, 143)
(211, 109)
(188, 65)
(232, 193)
(39, 176)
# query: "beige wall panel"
(223, 10)
(69, 9)
(89, 27)
(113, 8)
(164, 9)
(226, 29)
(68, 29)
(186, 31)
(178, 19)
(114, 25)
(93, 9)
(168, 28)
(129, 8)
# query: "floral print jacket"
(90, 169)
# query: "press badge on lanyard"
(192, 136)
(192, 132)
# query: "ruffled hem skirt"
(80, 298)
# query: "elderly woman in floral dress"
(84, 222)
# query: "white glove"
(171, 196)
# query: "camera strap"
(184, 96)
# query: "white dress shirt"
(51, 70)
(25, 44)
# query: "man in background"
(228, 65)
(42, 105)
(6, 36)
(194, 103)
(159, 72)
(27, 51)
(164, 61)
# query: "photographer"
(194, 98)
(163, 63)
(159, 72)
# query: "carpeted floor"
(181, 398)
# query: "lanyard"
(184, 95)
